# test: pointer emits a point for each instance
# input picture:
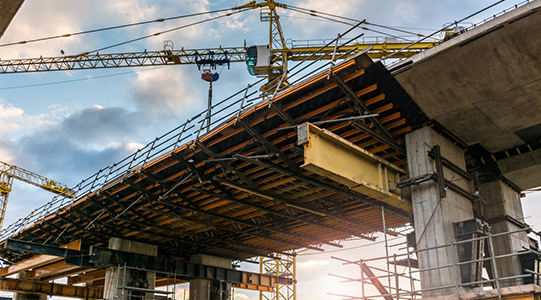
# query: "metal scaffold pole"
(282, 265)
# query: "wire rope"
(165, 31)
(315, 13)
(113, 27)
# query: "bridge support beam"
(436, 208)
(503, 211)
(202, 289)
(336, 158)
(130, 281)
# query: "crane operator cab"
(258, 60)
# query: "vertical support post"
(494, 265)
(439, 171)
(362, 279)
(397, 283)
(456, 270)
(386, 248)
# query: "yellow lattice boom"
(10, 172)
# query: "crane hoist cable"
(116, 27)
(315, 13)
(350, 24)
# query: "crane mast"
(10, 172)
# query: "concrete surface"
(523, 170)
(500, 201)
(485, 84)
(434, 217)
(114, 276)
(8, 9)
(201, 289)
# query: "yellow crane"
(10, 172)
(272, 63)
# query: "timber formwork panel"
(238, 191)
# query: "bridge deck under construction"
(239, 191)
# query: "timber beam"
(53, 289)
(337, 159)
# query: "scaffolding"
(399, 278)
(282, 265)
(135, 284)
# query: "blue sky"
(68, 131)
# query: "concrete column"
(201, 289)
(434, 217)
(501, 202)
(27, 296)
(114, 277)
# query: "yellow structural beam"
(333, 157)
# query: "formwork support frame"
(282, 265)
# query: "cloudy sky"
(68, 125)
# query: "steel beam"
(53, 289)
(277, 213)
(316, 182)
(336, 158)
(38, 260)
(243, 222)
(109, 257)
(268, 145)
(297, 205)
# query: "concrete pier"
(201, 289)
(434, 216)
(503, 211)
(115, 279)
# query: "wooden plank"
(87, 277)
(49, 270)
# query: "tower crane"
(10, 172)
(267, 60)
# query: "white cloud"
(168, 92)
(134, 146)
(13, 120)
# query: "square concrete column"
(502, 207)
(115, 279)
(434, 217)
(201, 289)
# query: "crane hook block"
(210, 77)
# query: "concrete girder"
(523, 170)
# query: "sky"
(67, 125)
